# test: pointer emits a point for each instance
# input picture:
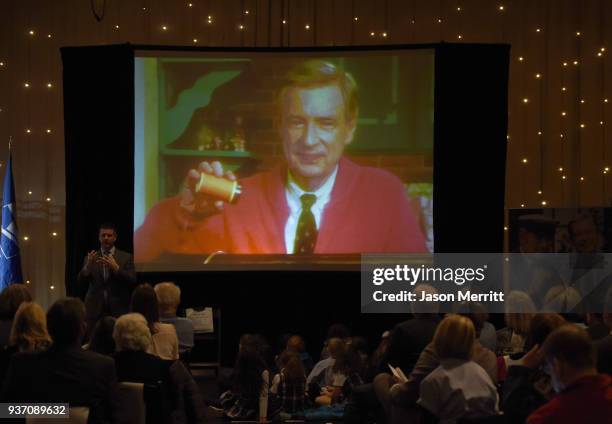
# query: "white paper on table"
(202, 319)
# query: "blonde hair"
(29, 331)
(520, 309)
(318, 73)
(454, 338)
(168, 296)
(563, 299)
(132, 332)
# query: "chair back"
(78, 415)
(132, 408)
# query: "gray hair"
(168, 294)
(132, 333)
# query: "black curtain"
(99, 129)
(469, 177)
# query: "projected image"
(283, 153)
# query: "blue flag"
(10, 261)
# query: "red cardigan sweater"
(368, 213)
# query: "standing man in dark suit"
(110, 277)
(65, 373)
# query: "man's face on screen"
(314, 130)
(107, 237)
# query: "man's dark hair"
(583, 216)
(107, 226)
(540, 327)
(572, 345)
(65, 319)
(540, 226)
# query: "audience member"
(519, 312)
(164, 339)
(169, 298)
(583, 395)
(248, 397)
(526, 386)
(102, 337)
(29, 334)
(334, 383)
(65, 373)
(458, 387)
(339, 331)
(296, 344)
(289, 386)
(10, 299)
(132, 337)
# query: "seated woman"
(28, 334)
(289, 385)
(169, 298)
(458, 387)
(334, 383)
(133, 339)
(10, 299)
(248, 397)
(164, 339)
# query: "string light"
(520, 59)
(27, 281)
(284, 22)
(48, 131)
(524, 160)
(460, 36)
(439, 20)
(28, 131)
(26, 84)
(195, 40)
(458, 8)
(540, 192)
(582, 125)
(562, 177)
(48, 35)
(563, 113)
(356, 18)
(601, 122)
(54, 234)
(522, 205)
(605, 100)
(52, 287)
(49, 85)
(582, 101)
(505, 228)
(48, 199)
(560, 169)
(240, 27)
(372, 34)
(30, 192)
(525, 100)
(561, 135)
(31, 32)
(578, 34)
(543, 202)
(246, 12)
(164, 28)
(538, 30)
(581, 178)
(563, 88)
(384, 34)
(539, 132)
(564, 63)
(1, 64)
(26, 238)
(190, 5)
(116, 26)
(538, 75)
(307, 27)
(501, 8)
(575, 63)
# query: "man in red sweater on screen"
(583, 395)
(317, 201)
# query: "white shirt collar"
(295, 192)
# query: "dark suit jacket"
(64, 375)
(118, 287)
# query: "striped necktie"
(306, 232)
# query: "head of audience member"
(340, 331)
(336, 347)
(10, 299)
(569, 355)
(318, 117)
(520, 309)
(144, 301)
(424, 309)
(169, 298)
(102, 337)
(474, 311)
(292, 367)
(296, 344)
(540, 327)
(29, 331)
(66, 322)
(132, 333)
(107, 235)
(454, 338)
(584, 234)
(347, 359)
(536, 234)
(564, 300)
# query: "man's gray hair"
(132, 333)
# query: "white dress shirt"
(293, 192)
